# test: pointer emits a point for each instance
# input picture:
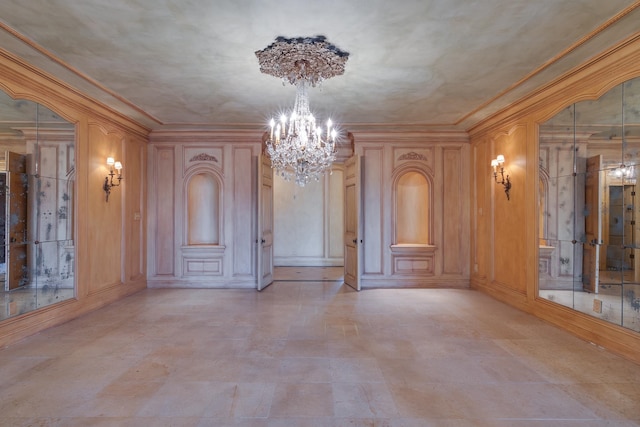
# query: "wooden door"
(265, 224)
(352, 222)
(592, 225)
(17, 188)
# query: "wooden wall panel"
(509, 232)
(243, 212)
(164, 233)
(480, 227)
(135, 161)
(105, 241)
(372, 204)
(334, 218)
(453, 242)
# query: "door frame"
(264, 235)
(353, 222)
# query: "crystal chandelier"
(299, 149)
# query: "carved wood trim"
(203, 157)
(412, 155)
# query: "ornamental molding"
(413, 156)
(302, 59)
(203, 157)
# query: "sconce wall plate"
(109, 182)
(498, 168)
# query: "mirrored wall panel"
(37, 176)
(589, 207)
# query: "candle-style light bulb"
(110, 161)
(283, 121)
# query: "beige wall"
(309, 221)
(504, 234)
(110, 237)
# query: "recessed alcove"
(412, 209)
(412, 253)
(203, 210)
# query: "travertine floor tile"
(313, 354)
(303, 400)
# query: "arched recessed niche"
(412, 209)
(203, 210)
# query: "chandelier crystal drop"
(300, 149)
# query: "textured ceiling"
(412, 64)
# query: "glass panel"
(37, 174)
(54, 272)
(596, 211)
(558, 253)
(53, 202)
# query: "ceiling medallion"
(309, 59)
(298, 148)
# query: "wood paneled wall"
(504, 234)
(442, 158)
(175, 157)
(110, 237)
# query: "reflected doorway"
(620, 229)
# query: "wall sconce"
(108, 180)
(495, 164)
(626, 172)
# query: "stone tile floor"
(313, 354)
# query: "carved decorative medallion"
(413, 156)
(310, 59)
(203, 157)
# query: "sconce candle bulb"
(109, 179)
(496, 163)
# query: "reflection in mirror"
(37, 175)
(589, 236)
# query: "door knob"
(355, 241)
(263, 241)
